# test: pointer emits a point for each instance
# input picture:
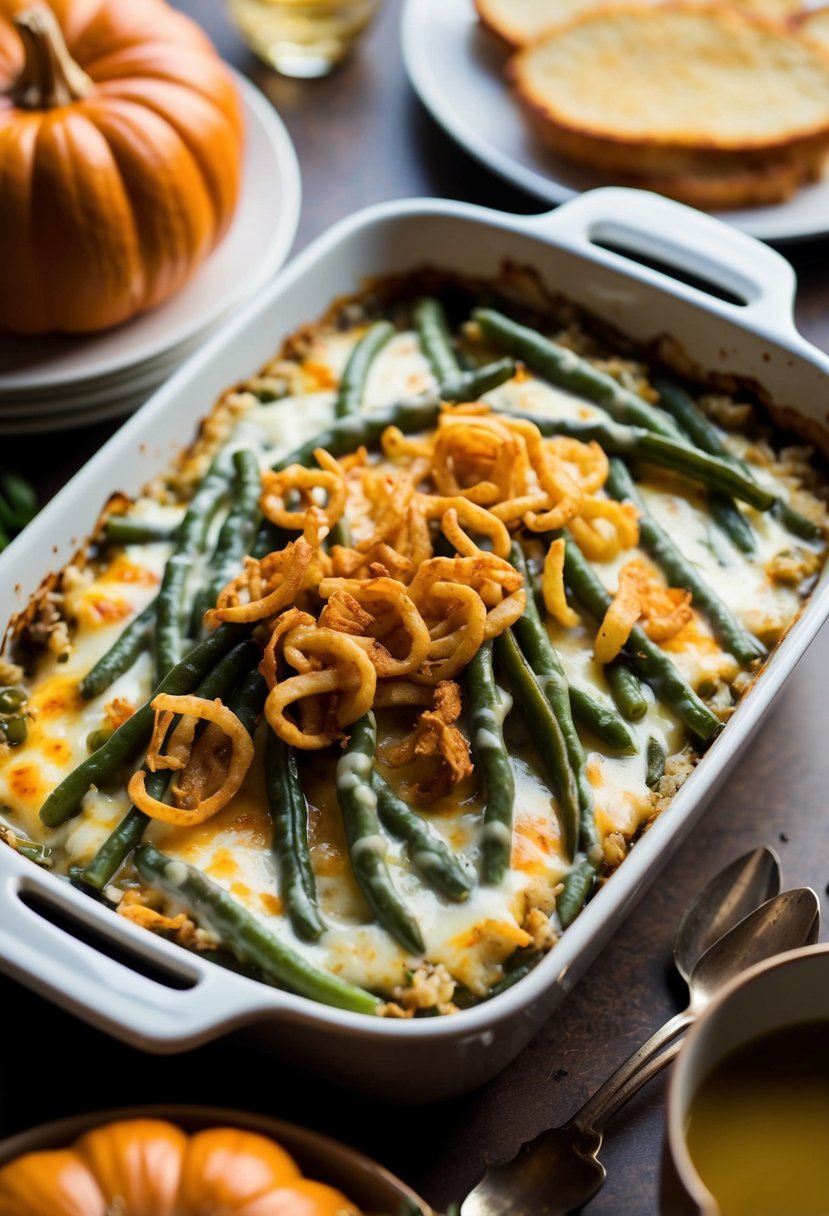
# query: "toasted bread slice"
(517, 23)
(814, 23)
(725, 190)
(676, 90)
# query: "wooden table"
(363, 137)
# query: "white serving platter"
(456, 69)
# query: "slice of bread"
(726, 190)
(517, 23)
(677, 91)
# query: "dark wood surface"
(363, 137)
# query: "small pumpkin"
(121, 141)
(150, 1167)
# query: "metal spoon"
(725, 899)
(558, 1170)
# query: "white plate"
(114, 406)
(75, 405)
(253, 249)
(144, 378)
(73, 388)
(457, 71)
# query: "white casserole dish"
(158, 997)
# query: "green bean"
(681, 573)
(545, 664)
(245, 936)
(578, 885)
(567, 369)
(493, 763)
(124, 530)
(237, 533)
(732, 523)
(248, 700)
(121, 655)
(124, 837)
(65, 799)
(626, 690)
(435, 338)
(289, 812)
(12, 699)
(97, 738)
(515, 973)
(429, 853)
(18, 500)
(649, 662)
(637, 443)
(353, 383)
(358, 806)
(603, 720)
(269, 539)
(40, 854)
(656, 758)
(217, 683)
(706, 436)
(190, 540)
(545, 731)
(14, 730)
(796, 523)
(690, 418)
(345, 435)
(685, 411)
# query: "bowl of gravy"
(748, 1103)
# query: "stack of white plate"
(56, 383)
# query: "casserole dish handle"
(748, 279)
(158, 997)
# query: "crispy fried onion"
(435, 736)
(306, 487)
(552, 586)
(335, 685)
(464, 601)
(268, 585)
(640, 594)
(506, 465)
(210, 769)
(459, 516)
(397, 446)
(382, 618)
(396, 511)
(604, 527)
(379, 559)
(521, 478)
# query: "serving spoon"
(726, 898)
(559, 1171)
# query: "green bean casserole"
(369, 694)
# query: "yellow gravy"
(758, 1126)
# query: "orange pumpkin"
(149, 1167)
(120, 159)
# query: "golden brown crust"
(763, 186)
(572, 79)
(518, 23)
